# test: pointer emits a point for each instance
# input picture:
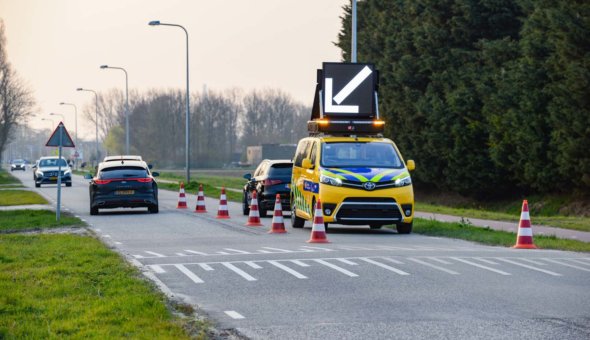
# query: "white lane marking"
(485, 260)
(348, 262)
(288, 270)
(106, 236)
(392, 260)
(353, 248)
(188, 273)
(265, 252)
(98, 229)
(206, 266)
(578, 261)
(300, 263)
(139, 256)
(438, 260)
(534, 262)
(237, 251)
(278, 249)
(395, 248)
(157, 269)
(253, 265)
(155, 254)
(317, 248)
(181, 254)
(384, 266)
(234, 315)
(480, 266)
(118, 243)
(238, 271)
(528, 267)
(337, 268)
(305, 250)
(433, 266)
(222, 253)
(195, 252)
(567, 264)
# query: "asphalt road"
(365, 284)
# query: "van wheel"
(404, 228)
(296, 221)
(154, 209)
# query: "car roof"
(278, 161)
(50, 157)
(122, 157)
(111, 164)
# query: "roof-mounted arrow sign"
(354, 85)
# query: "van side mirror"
(155, 174)
(411, 165)
(306, 163)
(248, 176)
(88, 176)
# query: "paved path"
(509, 226)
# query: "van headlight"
(402, 182)
(337, 182)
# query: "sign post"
(60, 138)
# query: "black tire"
(296, 221)
(404, 228)
(154, 209)
(37, 185)
(68, 184)
(375, 226)
(93, 210)
(245, 205)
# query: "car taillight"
(102, 181)
(144, 180)
(269, 182)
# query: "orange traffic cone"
(524, 239)
(318, 231)
(181, 198)
(278, 225)
(222, 212)
(254, 216)
(200, 208)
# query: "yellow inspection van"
(358, 175)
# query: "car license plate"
(124, 192)
(53, 178)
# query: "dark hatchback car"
(271, 177)
(124, 184)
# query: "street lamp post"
(126, 104)
(187, 138)
(353, 41)
(63, 118)
(52, 122)
(96, 116)
(75, 118)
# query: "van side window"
(312, 154)
(300, 153)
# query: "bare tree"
(16, 100)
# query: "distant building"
(255, 154)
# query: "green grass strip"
(214, 181)
(488, 236)
(21, 220)
(208, 189)
(7, 178)
(20, 197)
(565, 222)
(68, 286)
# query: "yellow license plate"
(124, 192)
(53, 178)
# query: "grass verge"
(6, 178)
(20, 197)
(214, 181)
(565, 222)
(465, 231)
(70, 286)
(210, 190)
(21, 220)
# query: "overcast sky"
(57, 46)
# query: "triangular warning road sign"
(66, 140)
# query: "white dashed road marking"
(238, 271)
(384, 266)
(337, 268)
(529, 267)
(480, 266)
(155, 254)
(288, 270)
(434, 266)
(195, 252)
(567, 265)
(188, 273)
(234, 315)
(157, 269)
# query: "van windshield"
(360, 154)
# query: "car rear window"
(123, 172)
(281, 170)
